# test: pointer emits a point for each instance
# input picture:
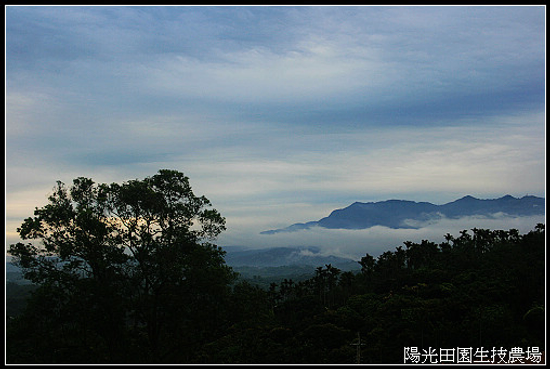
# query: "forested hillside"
(483, 290)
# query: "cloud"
(307, 65)
(255, 180)
(378, 239)
(308, 73)
(504, 157)
(367, 58)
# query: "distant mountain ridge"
(271, 262)
(414, 215)
(282, 256)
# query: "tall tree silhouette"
(135, 256)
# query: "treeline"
(484, 288)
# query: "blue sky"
(277, 114)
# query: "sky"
(280, 114)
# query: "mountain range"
(414, 215)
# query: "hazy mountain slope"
(410, 214)
(283, 256)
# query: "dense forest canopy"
(128, 273)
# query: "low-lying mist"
(375, 240)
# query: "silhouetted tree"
(130, 265)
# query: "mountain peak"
(507, 197)
(468, 198)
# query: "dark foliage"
(485, 288)
(482, 289)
